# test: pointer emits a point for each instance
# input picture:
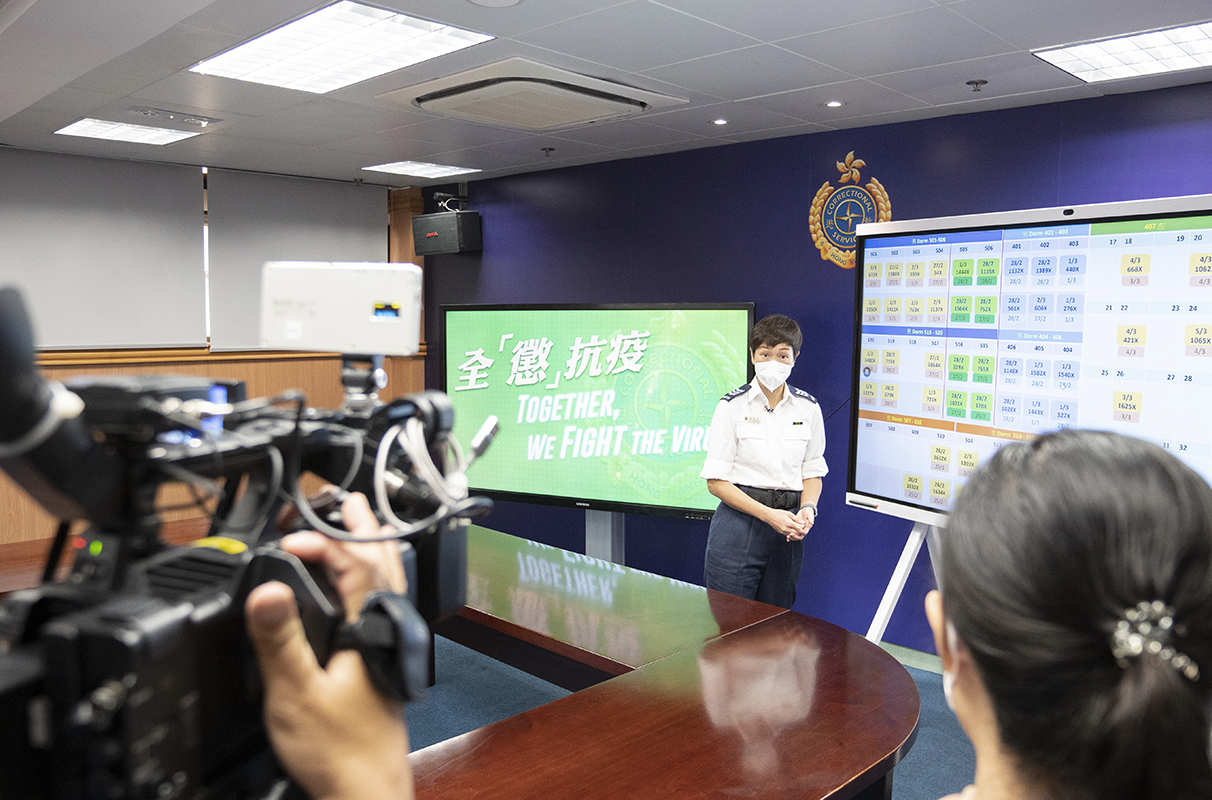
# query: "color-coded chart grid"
(972, 339)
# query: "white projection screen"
(107, 253)
(255, 218)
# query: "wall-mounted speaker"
(447, 232)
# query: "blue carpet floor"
(942, 760)
(474, 690)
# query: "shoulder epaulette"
(801, 393)
(735, 393)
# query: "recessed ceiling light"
(419, 169)
(720, 121)
(834, 104)
(494, 3)
(124, 132)
(338, 45)
(1130, 56)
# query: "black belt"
(788, 499)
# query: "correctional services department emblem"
(837, 212)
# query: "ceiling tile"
(326, 120)
(1032, 24)
(636, 36)
(531, 149)
(742, 118)
(681, 147)
(525, 16)
(1042, 97)
(1014, 73)
(220, 94)
(456, 134)
(180, 47)
(625, 134)
(798, 129)
(772, 20)
(917, 39)
(245, 19)
(56, 41)
(860, 98)
(75, 102)
(489, 159)
(121, 77)
(749, 72)
(386, 146)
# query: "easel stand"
(921, 532)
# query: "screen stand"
(604, 535)
(921, 532)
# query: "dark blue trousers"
(748, 558)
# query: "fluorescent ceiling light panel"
(124, 132)
(1129, 56)
(337, 46)
(419, 169)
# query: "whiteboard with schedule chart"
(979, 330)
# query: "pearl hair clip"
(1148, 628)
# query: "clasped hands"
(791, 524)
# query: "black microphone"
(44, 446)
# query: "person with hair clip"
(1074, 622)
(765, 461)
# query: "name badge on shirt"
(753, 420)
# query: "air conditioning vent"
(519, 93)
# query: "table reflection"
(760, 687)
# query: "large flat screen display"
(600, 407)
(976, 331)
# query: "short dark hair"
(1047, 547)
(774, 330)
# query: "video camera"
(134, 677)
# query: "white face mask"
(948, 688)
(772, 374)
(948, 676)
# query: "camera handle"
(390, 634)
(394, 642)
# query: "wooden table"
(698, 693)
(576, 621)
(682, 692)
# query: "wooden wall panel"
(403, 204)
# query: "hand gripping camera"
(134, 677)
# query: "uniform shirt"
(777, 449)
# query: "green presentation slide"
(603, 405)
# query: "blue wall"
(731, 224)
